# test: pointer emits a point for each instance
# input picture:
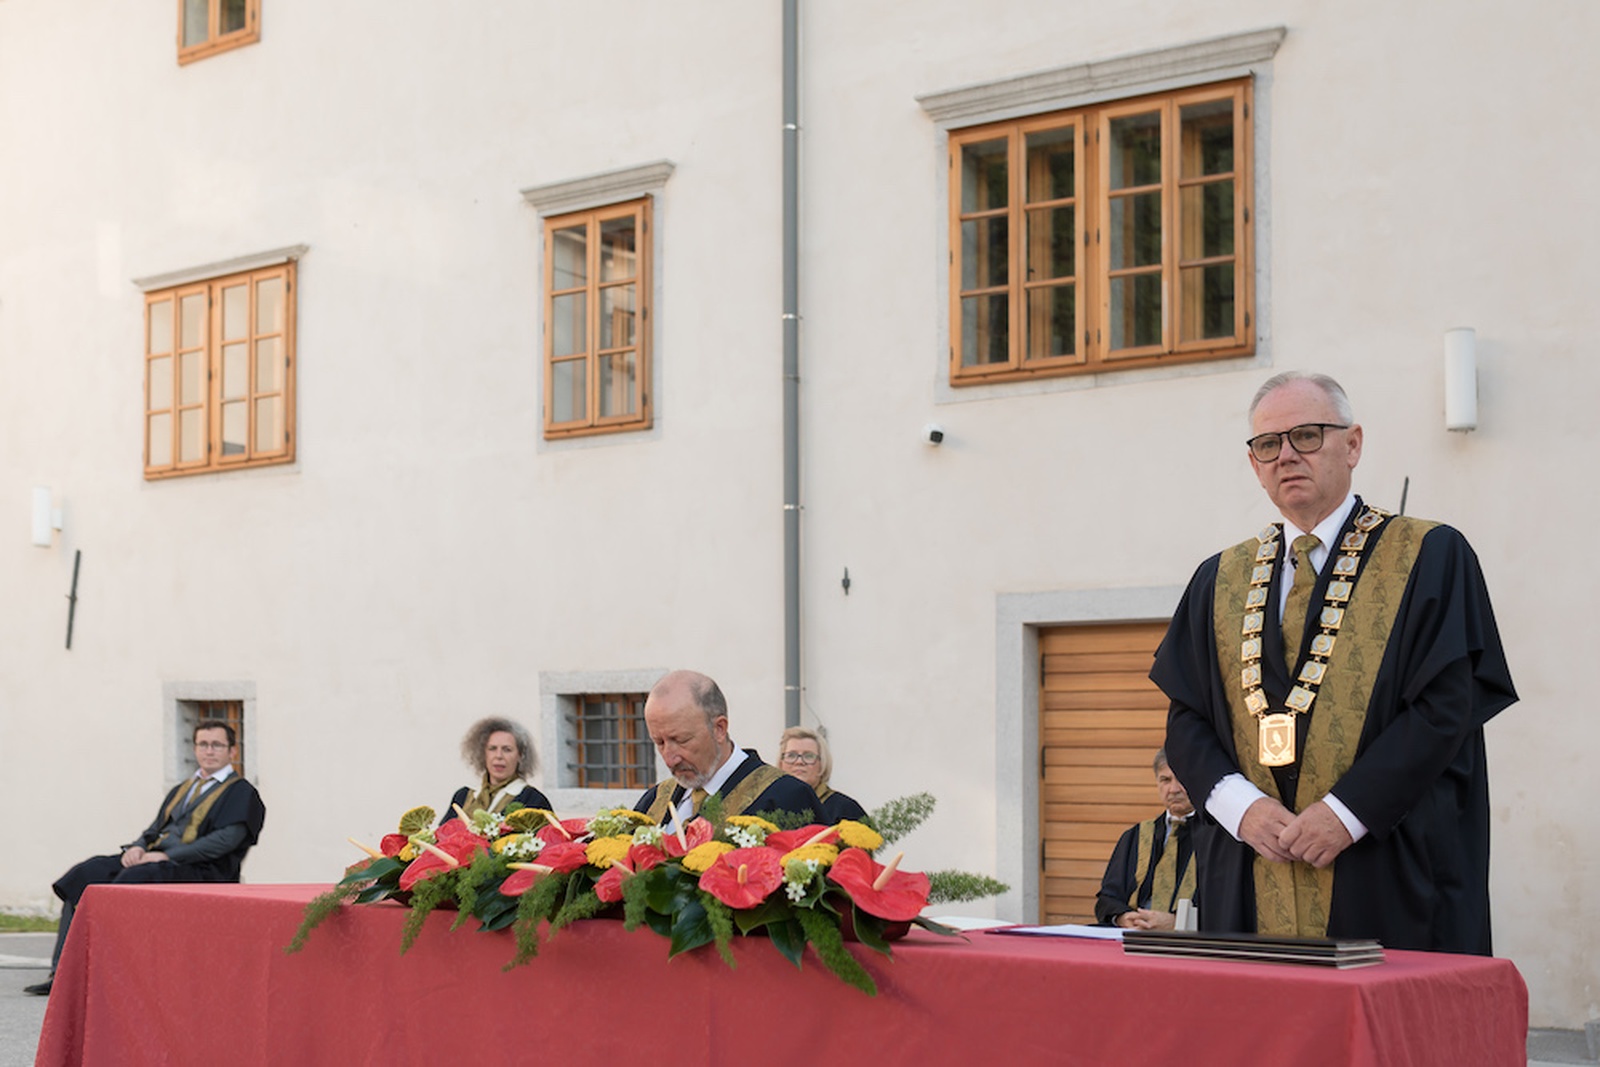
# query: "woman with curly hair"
(502, 753)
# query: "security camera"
(933, 433)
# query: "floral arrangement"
(696, 883)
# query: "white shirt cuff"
(1229, 800)
(1357, 828)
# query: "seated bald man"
(687, 717)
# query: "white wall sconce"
(46, 519)
(1461, 379)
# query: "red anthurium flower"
(563, 856)
(789, 840)
(519, 882)
(744, 877)
(643, 857)
(609, 886)
(454, 830)
(459, 846)
(901, 897)
(698, 832)
(575, 828)
(392, 844)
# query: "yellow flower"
(859, 835)
(503, 843)
(408, 852)
(823, 854)
(604, 851)
(753, 820)
(700, 858)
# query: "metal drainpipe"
(791, 363)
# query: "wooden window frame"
(211, 351)
(1091, 213)
(216, 41)
(592, 421)
(632, 735)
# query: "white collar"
(1326, 531)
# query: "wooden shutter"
(1101, 722)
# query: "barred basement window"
(1110, 236)
(611, 747)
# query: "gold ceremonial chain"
(1276, 746)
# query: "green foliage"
(720, 918)
(537, 904)
(899, 817)
(26, 924)
(486, 867)
(425, 896)
(825, 938)
(316, 911)
(949, 887)
(580, 903)
(416, 820)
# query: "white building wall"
(428, 556)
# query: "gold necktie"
(1299, 602)
(696, 798)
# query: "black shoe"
(40, 989)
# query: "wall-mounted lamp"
(1461, 379)
(45, 518)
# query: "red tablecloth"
(197, 974)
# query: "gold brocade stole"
(1292, 899)
(1163, 896)
(192, 829)
(743, 795)
(488, 798)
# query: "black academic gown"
(1123, 876)
(1419, 879)
(837, 806)
(786, 793)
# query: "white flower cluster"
(797, 874)
(485, 823)
(647, 835)
(746, 836)
(522, 847)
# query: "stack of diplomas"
(1318, 951)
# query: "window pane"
(983, 176)
(235, 312)
(269, 305)
(1206, 134)
(232, 16)
(191, 435)
(569, 323)
(1052, 244)
(1136, 231)
(570, 268)
(269, 424)
(235, 428)
(196, 21)
(192, 314)
(1207, 301)
(1136, 311)
(269, 365)
(160, 383)
(568, 386)
(161, 440)
(616, 316)
(1051, 171)
(985, 330)
(160, 339)
(1206, 220)
(235, 371)
(617, 377)
(1136, 150)
(191, 377)
(618, 254)
(1052, 322)
(985, 255)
